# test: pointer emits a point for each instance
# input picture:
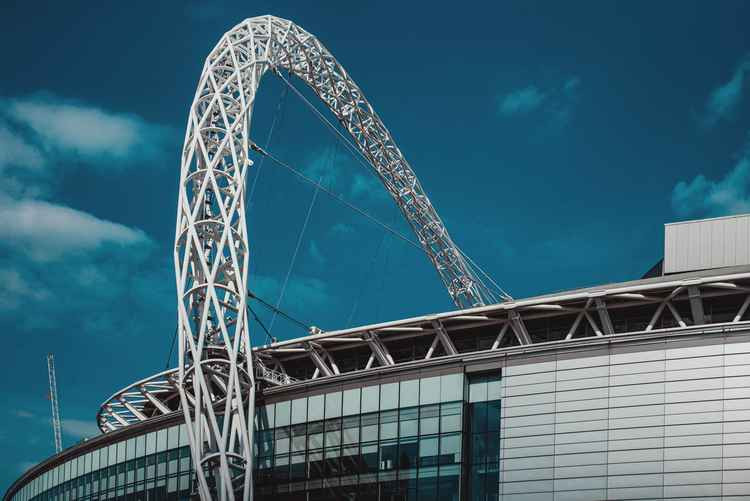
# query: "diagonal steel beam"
(519, 328)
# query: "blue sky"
(554, 139)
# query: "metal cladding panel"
(707, 243)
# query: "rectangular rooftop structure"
(707, 243)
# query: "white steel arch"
(216, 381)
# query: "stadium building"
(633, 390)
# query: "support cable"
(282, 313)
(270, 338)
(370, 269)
(277, 117)
(369, 216)
(357, 153)
(354, 150)
(171, 349)
(336, 196)
(294, 255)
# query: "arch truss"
(216, 380)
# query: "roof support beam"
(379, 350)
(743, 309)
(136, 412)
(676, 314)
(500, 336)
(445, 340)
(656, 315)
(516, 323)
(696, 305)
(601, 307)
(320, 364)
(155, 401)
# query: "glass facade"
(151, 466)
(666, 419)
(393, 441)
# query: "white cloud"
(84, 130)
(555, 103)
(707, 197)
(309, 291)
(316, 254)
(342, 229)
(522, 101)
(48, 231)
(17, 152)
(18, 290)
(724, 100)
(78, 428)
(23, 414)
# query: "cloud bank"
(706, 197)
(723, 102)
(555, 103)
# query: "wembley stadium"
(632, 390)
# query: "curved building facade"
(638, 390)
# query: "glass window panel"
(333, 432)
(494, 387)
(299, 437)
(283, 414)
(315, 435)
(429, 390)
(428, 451)
(370, 398)
(351, 430)
(429, 419)
(267, 415)
(409, 422)
(333, 405)
(351, 402)
(315, 408)
(450, 448)
(150, 445)
(370, 426)
(450, 417)
(451, 387)
(388, 396)
(282, 439)
(409, 393)
(388, 454)
(120, 454)
(493, 415)
(111, 455)
(161, 440)
(315, 465)
(370, 457)
(299, 410)
(298, 468)
(478, 415)
(388, 424)
(477, 391)
(126, 450)
(281, 469)
(173, 437)
(408, 453)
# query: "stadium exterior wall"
(660, 415)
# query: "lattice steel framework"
(216, 381)
(56, 425)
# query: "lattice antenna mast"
(216, 379)
(56, 427)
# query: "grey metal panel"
(708, 243)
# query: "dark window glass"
(408, 452)
(388, 454)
